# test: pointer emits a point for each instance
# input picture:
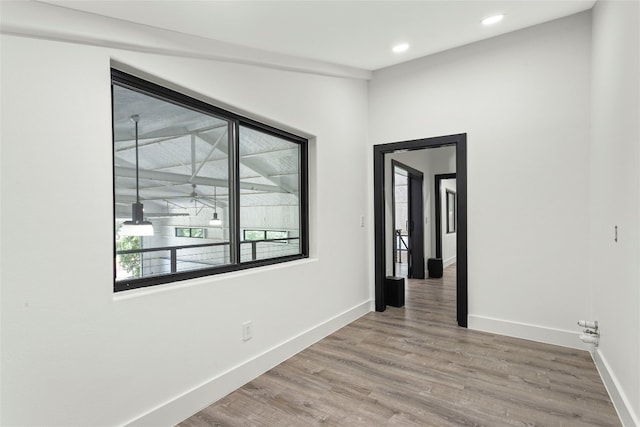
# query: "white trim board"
(618, 397)
(526, 331)
(183, 406)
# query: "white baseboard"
(618, 397)
(447, 262)
(183, 406)
(566, 339)
(528, 332)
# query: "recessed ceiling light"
(399, 48)
(492, 20)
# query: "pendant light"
(137, 226)
(215, 221)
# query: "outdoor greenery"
(130, 262)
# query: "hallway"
(414, 366)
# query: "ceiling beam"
(199, 180)
(251, 164)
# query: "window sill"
(208, 280)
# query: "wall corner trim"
(188, 403)
(618, 397)
(526, 331)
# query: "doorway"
(407, 214)
(379, 152)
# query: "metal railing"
(399, 242)
(198, 259)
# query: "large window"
(185, 169)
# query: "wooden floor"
(413, 366)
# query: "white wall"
(430, 162)
(449, 254)
(615, 200)
(75, 354)
(523, 99)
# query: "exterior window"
(190, 232)
(187, 169)
(272, 235)
(250, 235)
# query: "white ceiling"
(353, 33)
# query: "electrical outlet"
(247, 331)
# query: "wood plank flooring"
(413, 366)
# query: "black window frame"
(135, 83)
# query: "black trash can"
(394, 291)
(435, 267)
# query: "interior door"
(416, 226)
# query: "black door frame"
(416, 224)
(379, 151)
(437, 179)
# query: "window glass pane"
(276, 234)
(253, 234)
(182, 232)
(197, 232)
(183, 179)
(269, 192)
